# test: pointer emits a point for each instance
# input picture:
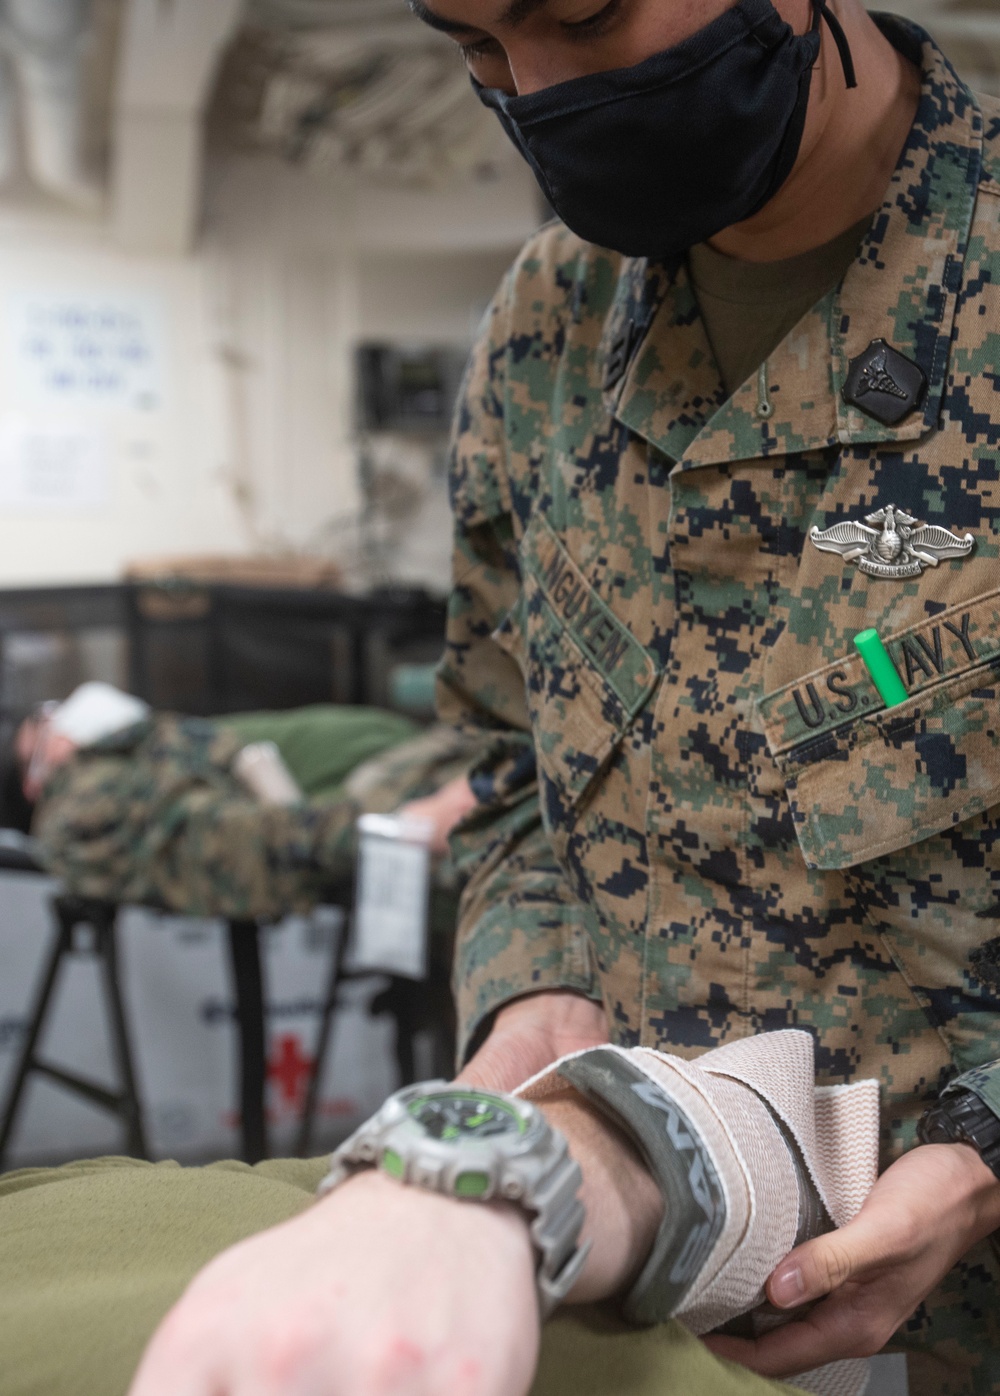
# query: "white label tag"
(390, 919)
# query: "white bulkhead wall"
(249, 443)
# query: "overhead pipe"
(323, 14)
(44, 41)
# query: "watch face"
(455, 1115)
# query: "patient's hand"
(386, 1290)
(377, 1289)
(442, 810)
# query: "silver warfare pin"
(890, 543)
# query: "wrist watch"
(962, 1118)
(479, 1146)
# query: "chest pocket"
(865, 780)
(586, 675)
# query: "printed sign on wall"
(87, 350)
(52, 467)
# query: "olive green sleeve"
(521, 928)
(983, 1081)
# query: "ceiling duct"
(354, 85)
(321, 14)
(44, 46)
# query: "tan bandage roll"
(760, 1121)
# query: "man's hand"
(386, 1290)
(923, 1214)
(532, 1032)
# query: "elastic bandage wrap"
(752, 1158)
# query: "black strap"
(822, 9)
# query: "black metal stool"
(248, 991)
(88, 925)
(75, 916)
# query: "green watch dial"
(455, 1115)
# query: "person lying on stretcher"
(244, 815)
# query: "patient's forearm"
(381, 1284)
(623, 1203)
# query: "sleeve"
(983, 1081)
(521, 929)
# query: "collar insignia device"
(884, 384)
(890, 543)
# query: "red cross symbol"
(289, 1068)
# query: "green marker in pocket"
(881, 668)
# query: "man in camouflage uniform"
(731, 833)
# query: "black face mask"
(652, 159)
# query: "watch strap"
(962, 1118)
(555, 1230)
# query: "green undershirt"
(749, 307)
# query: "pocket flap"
(865, 780)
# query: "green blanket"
(322, 745)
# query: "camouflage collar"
(903, 287)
